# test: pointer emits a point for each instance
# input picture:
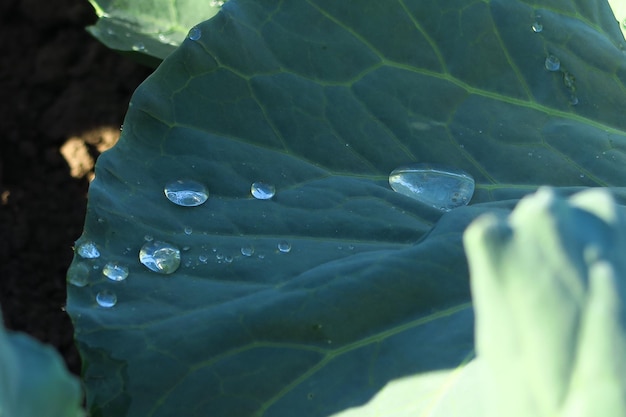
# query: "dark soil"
(60, 89)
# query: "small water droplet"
(195, 33)
(552, 63)
(439, 187)
(219, 256)
(537, 27)
(261, 256)
(148, 238)
(228, 259)
(78, 275)
(88, 250)
(284, 246)
(262, 191)
(161, 257)
(188, 230)
(138, 46)
(582, 175)
(115, 272)
(247, 250)
(573, 100)
(203, 258)
(187, 193)
(106, 298)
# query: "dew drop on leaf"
(537, 27)
(284, 246)
(106, 298)
(115, 271)
(187, 193)
(88, 250)
(195, 33)
(439, 187)
(552, 63)
(247, 250)
(262, 191)
(78, 275)
(160, 257)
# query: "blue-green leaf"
(151, 28)
(549, 290)
(34, 381)
(322, 100)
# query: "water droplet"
(247, 250)
(203, 258)
(439, 187)
(537, 27)
(552, 63)
(187, 193)
(148, 238)
(228, 259)
(78, 275)
(195, 33)
(139, 46)
(262, 191)
(219, 256)
(188, 230)
(88, 250)
(161, 257)
(573, 100)
(115, 272)
(284, 246)
(106, 298)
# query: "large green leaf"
(34, 381)
(153, 28)
(549, 286)
(323, 99)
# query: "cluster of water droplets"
(79, 275)
(160, 256)
(552, 63)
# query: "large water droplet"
(552, 63)
(115, 272)
(262, 191)
(106, 298)
(247, 250)
(186, 193)
(195, 33)
(161, 257)
(439, 187)
(78, 275)
(88, 250)
(284, 246)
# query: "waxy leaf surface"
(323, 99)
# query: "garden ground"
(64, 96)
